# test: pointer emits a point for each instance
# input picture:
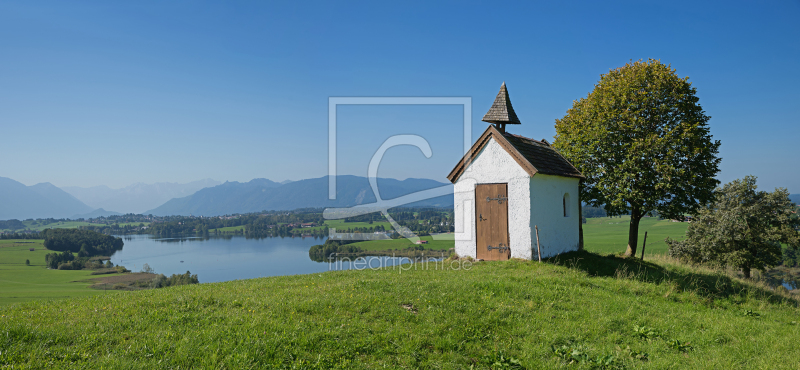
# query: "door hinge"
(502, 248)
(500, 198)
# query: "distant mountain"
(795, 198)
(44, 200)
(95, 214)
(262, 194)
(138, 197)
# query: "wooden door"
(491, 217)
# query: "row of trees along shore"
(260, 225)
(643, 143)
(85, 243)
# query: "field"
(610, 234)
(340, 225)
(383, 245)
(601, 235)
(33, 225)
(228, 229)
(123, 224)
(596, 311)
(20, 283)
(39, 226)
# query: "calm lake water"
(227, 258)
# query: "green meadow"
(610, 234)
(443, 242)
(39, 225)
(340, 225)
(21, 283)
(579, 311)
(132, 224)
(601, 235)
(228, 229)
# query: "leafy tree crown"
(642, 141)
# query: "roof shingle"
(533, 156)
(542, 156)
(501, 111)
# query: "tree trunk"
(633, 233)
(580, 223)
(746, 271)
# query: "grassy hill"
(39, 225)
(21, 283)
(582, 308)
(442, 242)
(610, 234)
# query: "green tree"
(642, 141)
(743, 228)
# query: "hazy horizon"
(115, 94)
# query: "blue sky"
(115, 93)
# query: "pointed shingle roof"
(501, 111)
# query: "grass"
(341, 226)
(56, 225)
(601, 235)
(135, 224)
(583, 308)
(228, 229)
(384, 245)
(610, 234)
(37, 226)
(21, 283)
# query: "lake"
(228, 258)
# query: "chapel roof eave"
(533, 156)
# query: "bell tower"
(501, 113)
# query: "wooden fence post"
(644, 243)
(538, 248)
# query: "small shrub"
(645, 332)
(636, 355)
(679, 346)
(162, 281)
(72, 265)
(751, 313)
(121, 269)
(501, 361)
(605, 362)
(722, 339)
(571, 352)
(27, 262)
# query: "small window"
(565, 203)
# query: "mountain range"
(204, 197)
(44, 200)
(136, 198)
(262, 194)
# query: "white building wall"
(493, 165)
(557, 234)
